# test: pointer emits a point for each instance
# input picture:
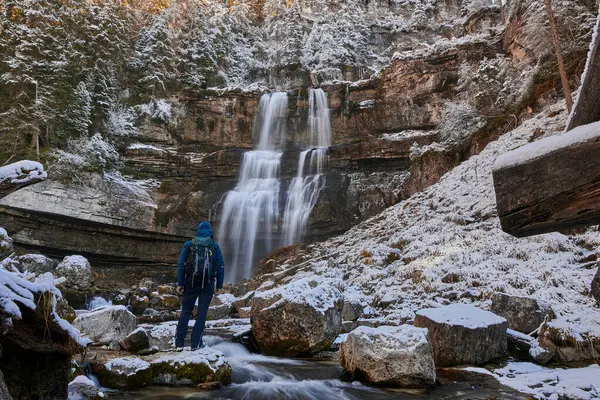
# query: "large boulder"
(36, 263)
(596, 286)
(77, 270)
(4, 393)
(524, 314)
(82, 388)
(463, 334)
(398, 355)
(107, 324)
(136, 340)
(301, 317)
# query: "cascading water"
(305, 189)
(251, 210)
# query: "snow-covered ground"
(397, 260)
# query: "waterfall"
(251, 209)
(305, 189)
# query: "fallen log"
(551, 184)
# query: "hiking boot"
(199, 347)
(178, 349)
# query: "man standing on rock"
(200, 264)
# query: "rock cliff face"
(393, 135)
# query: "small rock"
(82, 388)
(524, 314)
(349, 326)
(398, 355)
(114, 345)
(210, 385)
(77, 270)
(36, 263)
(150, 312)
(219, 312)
(463, 334)
(136, 341)
(106, 324)
(452, 295)
(166, 289)
(541, 355)
(352, 310)
(148, 352)
(452, 277)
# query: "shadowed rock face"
(523, 314)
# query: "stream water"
(258, 377)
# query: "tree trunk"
(559, 57)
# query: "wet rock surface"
(398, 356)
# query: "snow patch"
(543, 147)
(464, 315)
(549, 383)
(22, 172)
(127, 365)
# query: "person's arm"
(181, 264)
(220, 268)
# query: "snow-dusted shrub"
(120, 121)
(460, 120)
(156, 109)
(86, 154)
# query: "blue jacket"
(203, 234)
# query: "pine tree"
(284, 31)
(154, 57)
(197, 59)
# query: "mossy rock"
(123, 373)
(196, 367)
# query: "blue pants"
(190, 294)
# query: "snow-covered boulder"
(463, 334)
(539, 353)
(136, 340)
(123, 373)
(572, 342)
(301, 317)
(106, 325)
(6, 243)
(524, 314)
(82, 388)
(203, 365)
(77, 270)
(398, 355)
(36, 263)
